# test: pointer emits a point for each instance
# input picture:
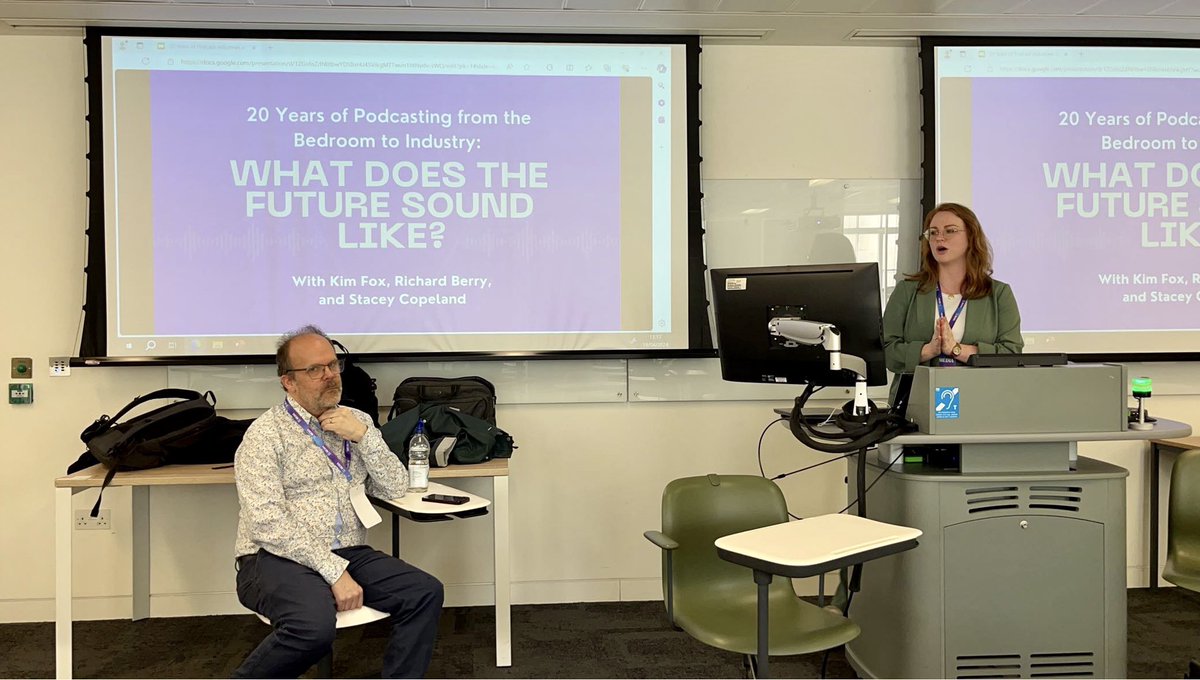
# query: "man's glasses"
(948, 232)
(315, 372)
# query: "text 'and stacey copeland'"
(431, 192)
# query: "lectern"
(1021, 568)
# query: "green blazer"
(993, 323)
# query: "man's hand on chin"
(343, 422)
(347, 593)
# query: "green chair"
(716, 601)
(1183, 529)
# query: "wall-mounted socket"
(60, 367)
(85, 522)
(20, 393)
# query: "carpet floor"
(589, 640)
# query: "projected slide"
(437, 215)
(413, 198)
(1084, 168)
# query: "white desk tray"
(410, 505)
(816, 544)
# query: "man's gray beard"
(327, 399)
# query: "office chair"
(1183, 530)
(715, 601)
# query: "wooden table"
(1157, 446)
(197, 475)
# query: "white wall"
(587, 477)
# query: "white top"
(815, 540)
(412, 501)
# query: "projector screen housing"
(419, 196)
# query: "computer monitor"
(845, 296)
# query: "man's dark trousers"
(300, 605)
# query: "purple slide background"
(218, 271)
(1054, 265)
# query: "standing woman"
(952, 308)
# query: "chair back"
(696, 511)
(1183, 522)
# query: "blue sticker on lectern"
(945, 403)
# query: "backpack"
(471, 395)
(358, 388)
(186, 432)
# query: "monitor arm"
(805, 332)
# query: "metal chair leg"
(750, 666)
(325, 666)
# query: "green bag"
(472, 440)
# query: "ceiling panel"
(905, 6)
(1179, 8)
(776, 22)
(1053, 7)
(607, 5)
(525, 4)
(831, 6)
(370, 3)
(980, 6)
(680, 5)
(285, 3)
(1126, 7)
(451, 4)
(733, 6)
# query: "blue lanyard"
(942, 307)
(316, 438)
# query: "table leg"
(1152, 568)
(503, 586)
(395, 535)
(763, 580)
(63, 526)
(141, 552)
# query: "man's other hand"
(343, 422)
(347, 593)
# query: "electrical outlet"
(20, 393)
(60, 367)
(85, 522)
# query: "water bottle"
(418, 459)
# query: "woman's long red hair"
(978, 282)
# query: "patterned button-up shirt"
(291, 493)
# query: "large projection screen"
(1081, 160)
(447, 195)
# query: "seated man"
(304, 471)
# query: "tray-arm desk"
(809, 547)
(411, 506)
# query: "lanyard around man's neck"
(344, 468)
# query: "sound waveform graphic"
(532, 242)
(252, 242)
